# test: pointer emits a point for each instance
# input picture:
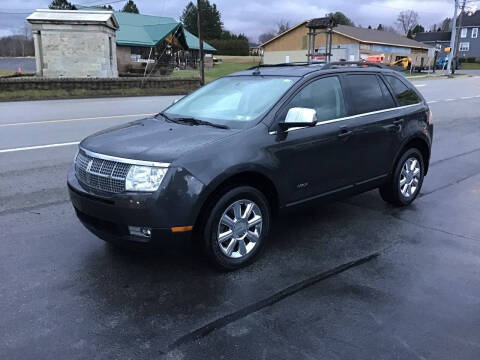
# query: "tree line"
(18, 45)
(213, 30)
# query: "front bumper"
(109, 217)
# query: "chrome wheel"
(410, 177)
(239, 228)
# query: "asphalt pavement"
(355, 279)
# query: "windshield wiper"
(194, 121)
(162, 114)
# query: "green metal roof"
(194, 43)
(147, 30)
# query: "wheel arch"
(254, 178)
(419, 143)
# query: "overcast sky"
(254, 17)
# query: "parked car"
(219, 164)
(442, 62)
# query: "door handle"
(344, 133)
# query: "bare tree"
(26, 31)
(407, 20)
(446, 24)
(263, 38)
(282, 26)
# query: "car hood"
(153, 139)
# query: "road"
(355, 279)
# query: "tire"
(244, 236)
(401, 195)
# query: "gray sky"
(254, 17)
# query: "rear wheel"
(407, 179)
(237, 227)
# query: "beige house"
(348, 43)
(75, 43)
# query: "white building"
(75, 43)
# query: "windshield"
(235, 101)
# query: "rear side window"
(404, 95)
(324, 96)
(367, 94)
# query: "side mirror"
(175, 101)
(299, 117)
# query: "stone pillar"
(37, 40)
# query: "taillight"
(430, 117)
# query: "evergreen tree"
(130, 7)
(417, 29)
(211, 23)
(341, 19)
(61, 5)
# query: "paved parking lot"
(355, 279)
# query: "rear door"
(408, 116)
(374, 137)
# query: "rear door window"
(404, 95)
(366, 93)
(324, 95)
(387, 96)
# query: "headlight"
(144, 178)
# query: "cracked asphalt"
(354, 279)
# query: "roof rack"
(335, 64)
(294, 63)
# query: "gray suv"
(218, 164)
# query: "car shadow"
(175, 289)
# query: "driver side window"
(324, 95)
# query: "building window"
(464, 46)
(463, 33)
(474, 33)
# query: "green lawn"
(4, 72)
(229, 64)
(470, 66)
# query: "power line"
(16, 13)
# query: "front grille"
(99, 175)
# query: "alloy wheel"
(239, 229)
(410, 177)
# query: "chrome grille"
(99, 175)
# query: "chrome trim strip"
(351, 186)
(348, 117)
(125, 160)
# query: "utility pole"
(453, 37)
(457, 36)
(202, 71)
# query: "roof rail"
(293, 63)
(335, 64)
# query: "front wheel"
(237, 227)
(407, 179)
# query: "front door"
(314, 160)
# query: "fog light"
(145, 232)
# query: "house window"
(474, 33)
(463, 33)
(464, 46)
